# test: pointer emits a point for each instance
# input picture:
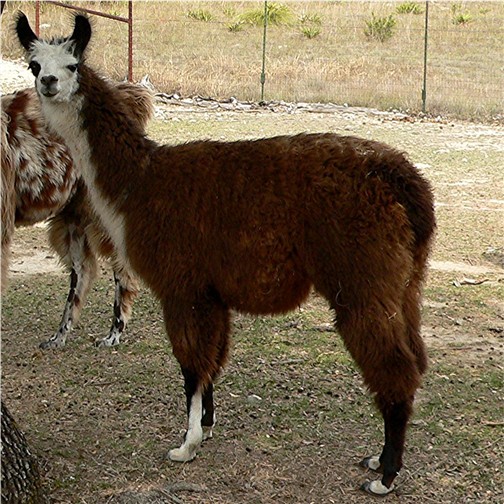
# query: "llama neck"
(117, 144)
(108, 148)
(101, 134)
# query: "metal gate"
(128, 20)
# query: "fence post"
(263, 74)
(130, 41)
(426, 36)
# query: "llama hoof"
(376, 488)
(106, 342)
(182, 454)
(52, 343)
(207, 432)
(372, 463)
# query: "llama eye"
(34, 67)
(72, 68)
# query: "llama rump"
(40, 181)
(8, 212)
(252, 226)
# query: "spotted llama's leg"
(76, 254)
(126, 290)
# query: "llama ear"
(24, 32)
(81, 34)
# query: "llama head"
(55, 63)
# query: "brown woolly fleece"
(251, 225)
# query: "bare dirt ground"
(293, 417)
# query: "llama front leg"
(126, 290)
(201, 419)
(194, 434)
(199, 333)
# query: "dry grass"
(184, 55)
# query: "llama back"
(368, 163)
(138, 100)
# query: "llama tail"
(414, 192)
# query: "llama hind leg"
(396, 415)
(200, 344)
(377, 339)
(126, 290)
(71, 245)
(389, 463)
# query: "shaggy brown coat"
(251, 225)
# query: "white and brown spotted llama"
(40, 181)
(251, 226)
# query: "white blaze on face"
(56, 61)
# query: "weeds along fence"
(443, 57)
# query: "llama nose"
(47, 80)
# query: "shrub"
(380, 28)
(310, 19)
(200, 15)
(310, 31)
(229, 12)
(459, 17)
(277, 14)
(310, 25)
(409, 8)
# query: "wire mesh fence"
(445, 57)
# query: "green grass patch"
(409, 8)
(380, 28)
(200, 15)
(276, 14)
(310, 32)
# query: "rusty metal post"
(263, 71)
(130, 41)
(37, 18)
(128, 20)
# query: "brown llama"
(40, 181)
(251, 226)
